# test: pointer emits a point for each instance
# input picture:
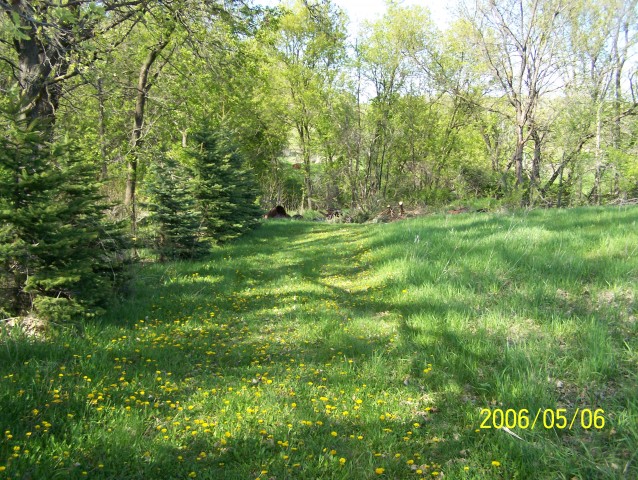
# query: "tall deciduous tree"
(388, 66)
(310, 46)
(521, 42)
(145, 82)
(56, 41)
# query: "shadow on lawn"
(470, 363)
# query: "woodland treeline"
(172, 124)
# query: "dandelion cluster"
(245, 370)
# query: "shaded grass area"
(312, 350)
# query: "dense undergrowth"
(311, 350)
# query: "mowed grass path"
(321, 351)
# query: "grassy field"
(319, 351)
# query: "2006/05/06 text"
(544, 417)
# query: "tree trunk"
(43, 62)
(518, 154)
(102, 129)
(382, 166)
(595, 193)
(536, 159)
(560, 188)
(357, 154)
(143, 87)
(304, 137)
(40, 97)
(565, 160)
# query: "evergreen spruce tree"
(224, 187)
(57, 256)
(173, 211)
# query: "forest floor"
(323, 351)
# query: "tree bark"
(536, 159)
(518, 154)
(40, 98)
(566, 159)
(102, 129)
(307, 170)
(599, 157)
(46, 46)
(143, 87)
(304, 138)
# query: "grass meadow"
(324, 351)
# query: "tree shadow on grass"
(180, 356)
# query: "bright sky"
(360, 10)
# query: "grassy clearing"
(345, 351)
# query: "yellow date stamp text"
(548, 418)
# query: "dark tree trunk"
(518, 154)
(595, 192)
(566, 159)
(304, 137)
(102, 129)
(143, 87)
(536, 159)
(40, 98)
(47, 45)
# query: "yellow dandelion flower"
(379, 470)
(496, 463)
(342, 461)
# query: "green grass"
(311, 350)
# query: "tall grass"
(311, 350)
